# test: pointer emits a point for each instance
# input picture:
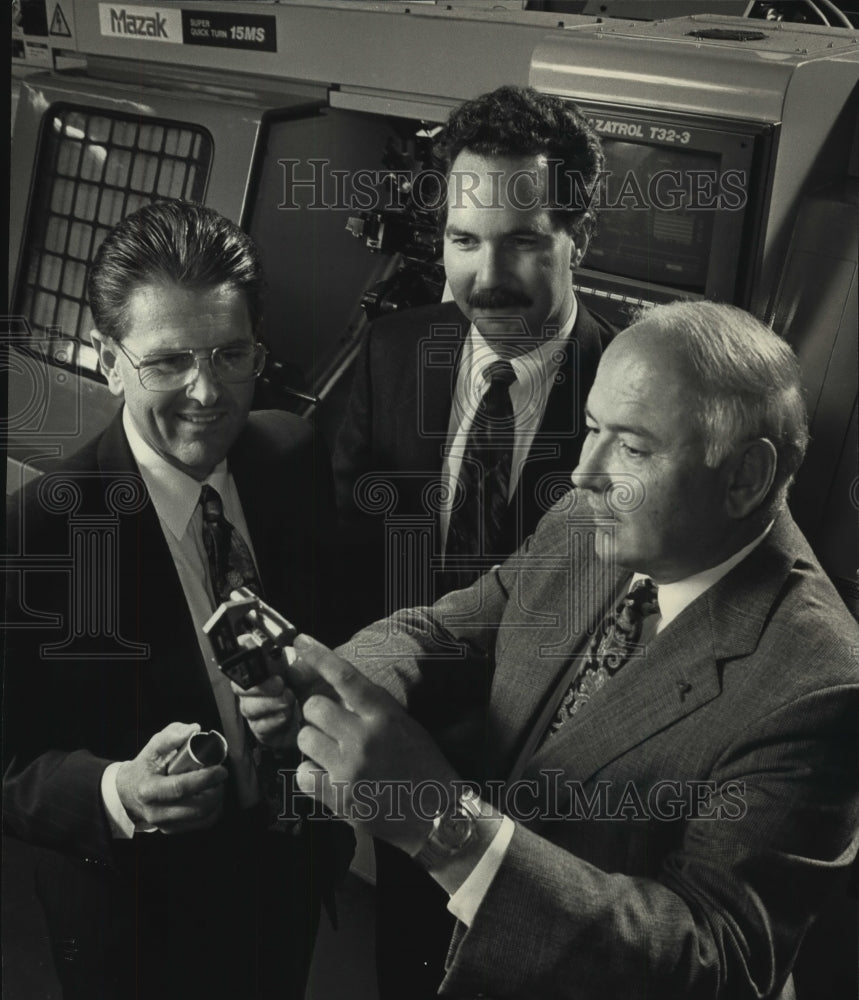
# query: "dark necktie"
(230, 562)
(484, 477)
(231, 565)
(609, 649)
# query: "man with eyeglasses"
(157, 884)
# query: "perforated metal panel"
(94, 168)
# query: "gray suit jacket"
(676, 837)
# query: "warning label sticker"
(37, 53)
(59, 24)
(230, 30)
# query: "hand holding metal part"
(165, 788)
(200, 750)
(253, 646)
(249, 638)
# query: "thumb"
(165, 742)
(299, 674)
(353, 689)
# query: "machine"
(730, 133)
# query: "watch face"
(455, 829)
(451, 831)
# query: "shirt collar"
(531, 367)
(677, 596)
(174, 493)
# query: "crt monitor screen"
(656, 214)
(674, 200)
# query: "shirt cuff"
(122, 826)
(463, 904)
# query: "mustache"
(499, 298)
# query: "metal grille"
(94, 169)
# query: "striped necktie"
(484, 477)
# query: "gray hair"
(748, 378)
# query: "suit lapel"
(681, 670)
(565, 407)
(176, 677)
(432, 381)
(554, 620)
(581, 358)
(557, 445)
(554, 451)
(419, 384)
(246, 464)
(678, 674)
(433, 410)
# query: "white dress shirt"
(673, 598)
(175, 497)
(676, 597)
(535, 373)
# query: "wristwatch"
(452, 829)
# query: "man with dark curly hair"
(469, 410)
(465, 417)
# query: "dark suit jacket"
(396, 425)
(109, 654)
(616, 883)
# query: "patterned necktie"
(484, 477)
(230, 562)
(231, 565)
(609, 649)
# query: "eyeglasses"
(177, 369)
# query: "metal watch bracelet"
(452, 830)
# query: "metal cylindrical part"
(200, 750)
